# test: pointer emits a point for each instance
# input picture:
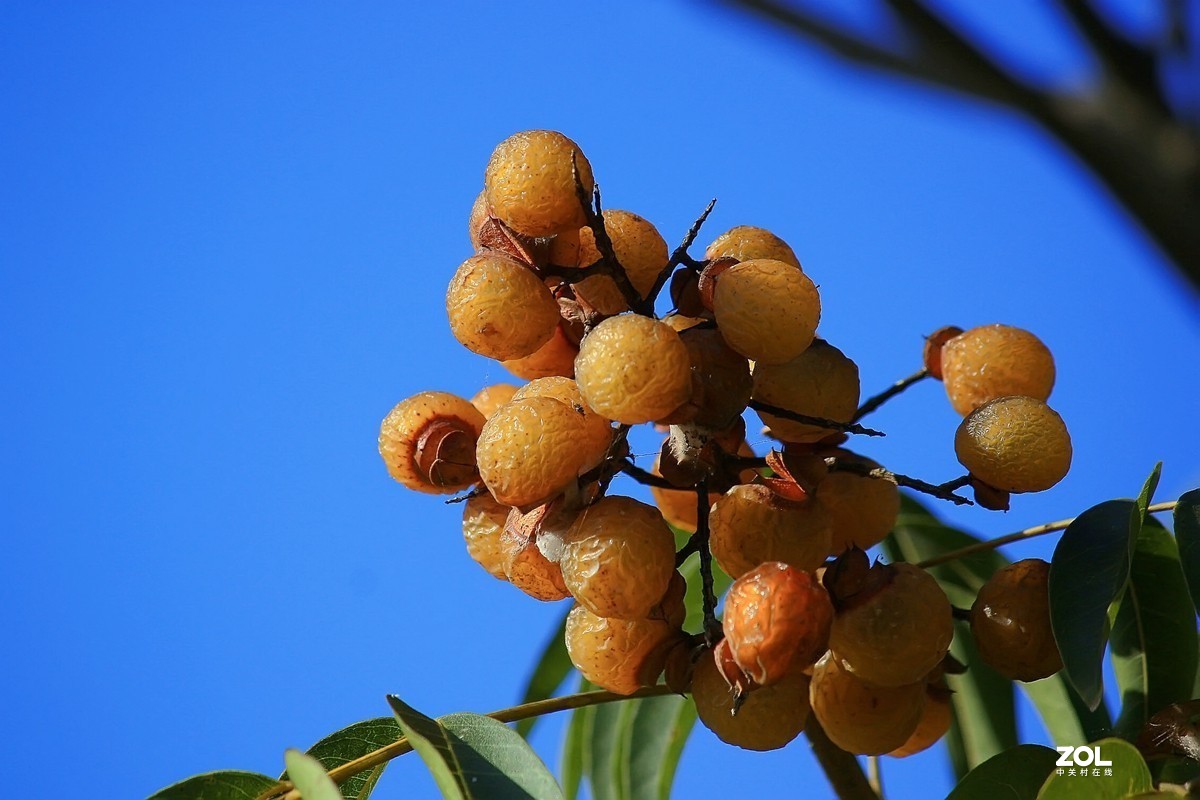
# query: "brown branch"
(645, 477)
(841, 768)
(712, 628)
(807, 419)
(888, 393)
(939, 491)
(593, 211)
(1137, 67)
(680, 256)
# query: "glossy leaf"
(1015, 774)
(224, 785)
(576, 744)
(1153, 641)
(1146, 495)
(660, 729)
(553, 667)
(1187, 531)
(473, 756)
(1066, 717)
(350, 743)
(1088, 574)
(608, 765)
(1129, 776)
(309, 777)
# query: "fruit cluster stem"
(887, 394)
(807, 419)
(712, 628)
(941, 491)
(842, 769)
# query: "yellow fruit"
(746, 243)
(530, 182)
(680, 323)
(483, 527)
(633, 369)
(820, 382)
(639, 247)
(528, 452)
(678, 506)
(428, 442)
(498, 308)
(555, 357)
(1010, 621)
(897, 633)
(934, 723)
(861, 718)
(618, 558)
(620, 655)
(1017, 444)
(528, 569)
(776, 617)
(721, 381)
(480, 213)
(767, 310)
(490, 398)
(597, 431)
(769, 718)
(751, 525)
(995, 361)
(863, 510)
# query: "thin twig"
(888, 393)
(593, 211)
(680, 256)
(708, 595)
(875, 775)
(841, 768)
(867, 471)
(1028, 533)
(462, 498)
(537, 708)
(844, 427)
(645, 477)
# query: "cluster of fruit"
(562, 294)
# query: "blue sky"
(225, 234)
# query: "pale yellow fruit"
(618, 558)
(995, 361)
(861, 718)
(620, 655)
(639, 247)
(820, 382)
(1016, 444)
(480, 213)
(769, 718)
(528, 452)
(490, 398)
(597, 430)
(555, 357)
(750, 524)
(746, 243)
(633, 369)
(934, 723)
(767, 310)
(498, 308)
(863, 510)
(531, 184)
(897, 635)
(483, 527)
(413, 460)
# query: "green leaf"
(1187, 531)
(473, 756)
(983, 713)
(1088, 573)
(308, 776)
(659, 731)
(1129, 776)
(553, 667)
(576, 744)
(224, 785)
(1146, 496)
(608, 765)
(1015, 774)
(351, 742)
(1063, 712)
(1153, 641)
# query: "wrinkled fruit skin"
(597, 431)
(618, 558)
(776, 617)
(499, 309)
(721, 382)
(1010, 621)
(490, 398)
(767, 310)
(633, 369)
(746, 243)
(750, 524)
(483, 528)
(770, 716)
(402, 435)
(555, 357)
(1016, 444)
(820, 382)
(899, 633)
(863, 510)
(995, 361)
(935, 722)
(530, 182)
(640, 249)
(528, 569)
(620, 655)
(861, 718)
(528, 451)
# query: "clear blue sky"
(225, 234)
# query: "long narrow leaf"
(1187, 531)
(309, 777)
(224, 785)
(553, 667)
(659, 730)
(348, 744)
